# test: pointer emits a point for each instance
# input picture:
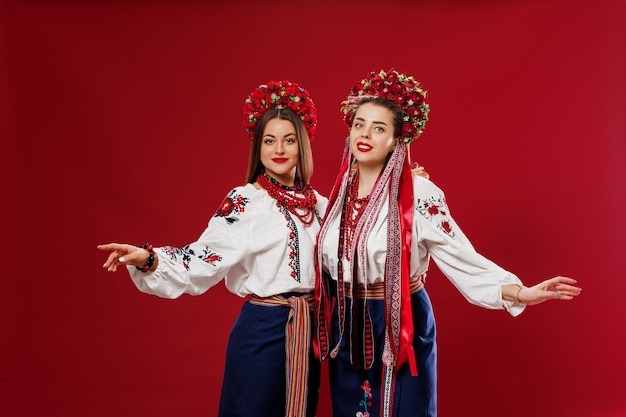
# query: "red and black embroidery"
(294, 245)
(436, 210)
(209, 256)
(233, 205)
(293, 241)
(185, 254)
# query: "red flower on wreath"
(279, 95)
(408, 130)
(417, 98)
(376, 84)
(414, 112)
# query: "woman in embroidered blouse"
(383, 224)
(261, 241)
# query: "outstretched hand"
(557, 288)
(123, 254)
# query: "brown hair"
(304, 169)
(398, 114)
(398, 121)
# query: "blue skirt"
(254, 377)
(354, 391)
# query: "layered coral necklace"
(352, 212)
(299, 197)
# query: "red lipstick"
(363, 147)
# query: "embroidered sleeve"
(198, 266)
(476, 277)
(434, 209)
(233, 206)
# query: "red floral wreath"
(279, 95)
(398, 88)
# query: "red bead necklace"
(286, 197)
(352, 212)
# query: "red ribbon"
(405, 206)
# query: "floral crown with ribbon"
(398, 88)
(279, 95)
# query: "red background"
(122, 121)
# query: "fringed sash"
(297, 342)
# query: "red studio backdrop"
(122, 121)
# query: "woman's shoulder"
(242, 196)
(322, 202)
(423, 186)
(239, 204)
(247, 190)
(320, 197)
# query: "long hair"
(304, 168)
(398, 118)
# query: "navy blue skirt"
(354, 391)
(254, 376)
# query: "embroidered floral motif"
(185, 254)
(233, 204)
(435, 210)
(210, 257)
(172, 252)
(446, 227)
(366, 402)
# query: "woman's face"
(279, 150)
(372, 136)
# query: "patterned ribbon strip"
(297, 344)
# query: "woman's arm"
(195, 268)
(557, 288)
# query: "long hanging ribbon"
(397, 295)
(322, 294)
(398, 348)
(405, 206)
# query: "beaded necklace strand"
(352, 213)
(287, 198)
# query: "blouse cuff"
(513, 308)
(164, 281)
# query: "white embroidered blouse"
(256, 246)
(435, 234)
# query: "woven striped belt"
(297, 345)
(377, 291)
